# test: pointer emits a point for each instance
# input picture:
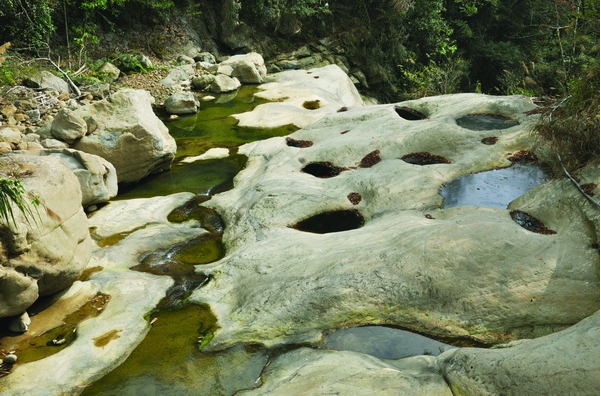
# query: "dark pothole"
(298, 143)
(530, 223)
(323, 170)
(424, 158)
(485, 122)
(490, 140)
(333, 221)
(409, 114)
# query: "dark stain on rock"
(523, 157)
(323, 170)
(409, 114)
(424, 158)
(354, 198)
(333, 221)
(589, 188)
(490, 140)
(530, 223)
(370, 159)
(298, 143)
(107, 337)
(312, 104)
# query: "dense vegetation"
(543, 48)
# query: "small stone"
(11, 358)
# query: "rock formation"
(45, 252)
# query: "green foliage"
(129, 64)
(12, 193)
(436, 78)
(26, 22)
(283, 16)
(570, 127)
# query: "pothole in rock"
(409, 114)
(424, 158)
(323, 170)
(383, 342)
(485, 122)
(530, 223)
(333, 221)
(495, 188)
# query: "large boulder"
(564, 363)
(17, 292)
(45, 80)
(248, 68)
(307, 371)
(68, 126)
(222, 84)
(182, 103)
(52, 246)
(97, 177)
(124, 130)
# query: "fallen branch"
(576, 183)
(64, 73)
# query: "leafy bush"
(129, 64)
(570, 127)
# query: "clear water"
(495, 188)
(383, 342)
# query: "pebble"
(11, 358)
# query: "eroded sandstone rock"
(50, 248)
(125, 131)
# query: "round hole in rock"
(323, 170)
(485, 122)
(424, 158)
(333, 221)
(409, 114)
